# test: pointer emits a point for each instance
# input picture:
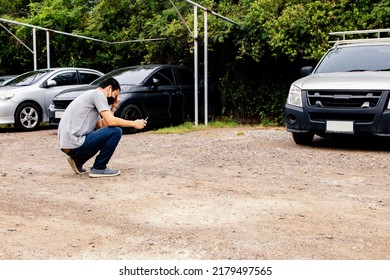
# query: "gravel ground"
(235, 193)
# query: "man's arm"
(108, 119)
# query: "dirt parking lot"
(236, 193)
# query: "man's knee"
(116, 131)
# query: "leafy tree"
(382, 12)
(15, 8)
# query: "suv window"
(356, 58)
(66, 78)
(87, 78)
(186, 76)
(165, 77)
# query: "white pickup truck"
(347, 92)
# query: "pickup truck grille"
(343, 99)
(366, 118)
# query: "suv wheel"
(303, 138)
(130, 112)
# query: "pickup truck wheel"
(303, 138)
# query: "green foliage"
(15, 8)
(182, 128)
(382, 12)
(190, 127)
(252, 63)
(299, 29)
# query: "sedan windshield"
(127, 76)
(28, 78)
(356, 58)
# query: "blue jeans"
(105, 140)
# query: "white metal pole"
(206, 86)
(196, 72)
(35, 48)
(48, 48)
(211, 12)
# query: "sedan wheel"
(27, 117)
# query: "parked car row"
(163, 93)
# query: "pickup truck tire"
(303, 138)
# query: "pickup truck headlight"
(295, 96)
(6, 97)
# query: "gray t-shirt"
(80, 118)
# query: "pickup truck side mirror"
(306, 71)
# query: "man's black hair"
(110, 82)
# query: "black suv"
(347, 93)
(163, 93)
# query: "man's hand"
(116, 102)
(140, 124)
(115, 105)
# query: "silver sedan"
(24, 100)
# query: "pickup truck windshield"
(356, 58)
